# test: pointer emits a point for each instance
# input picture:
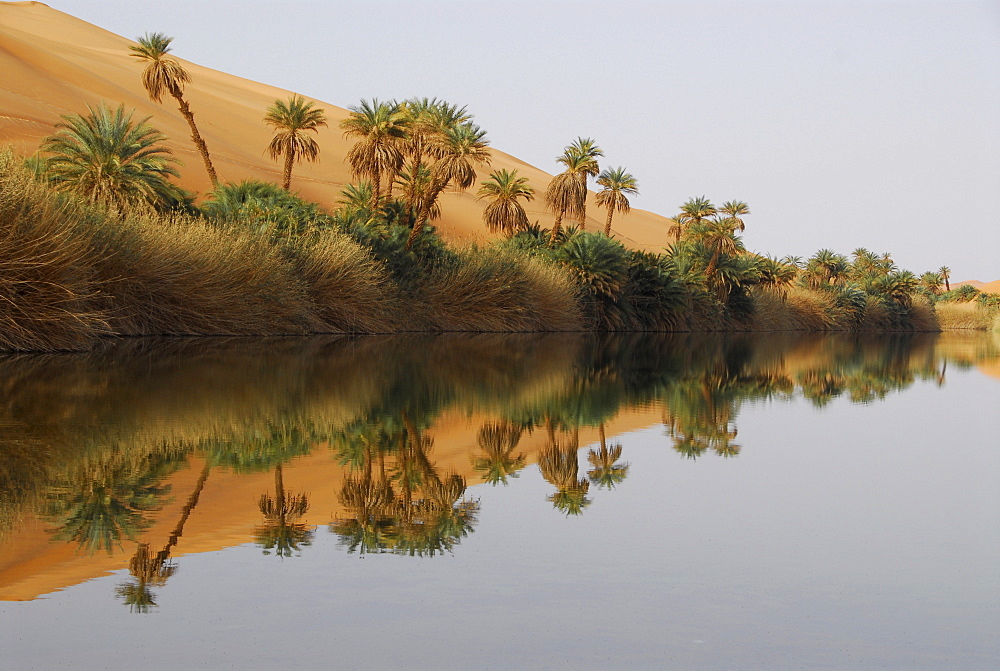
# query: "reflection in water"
(88, 441)
(498, 440)
(605, 470)
(407, 507)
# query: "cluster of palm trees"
(414, 149)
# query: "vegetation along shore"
(97, 239)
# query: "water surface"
(503, 501)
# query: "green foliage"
(107, 158)
(265, 208)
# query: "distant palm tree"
(381, 128)
(945, 272)
(165, 75)
(291, 120)
(461, 149)
(617, 186)
(734, 209)
(694, 211)
(583, 152)
(566, 193)
(427, 120)
(107, 158)
(504, 214)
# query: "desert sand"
(52, 64)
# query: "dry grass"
(493, 290)
(953, 316)
(181, 276)
(350, 290)
(45, 285)
(799, 310)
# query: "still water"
(686, 501)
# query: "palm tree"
(382, 127)
(616, 184)
(945, 272)
(291, 120)
(106, 158)
(428, 120)
(460, 149)
(733, 209)
(584, 152)
(165, 75)
(504, 214)
(694, 211)
(566, 193)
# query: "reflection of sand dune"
(53, 64)
(141, 398)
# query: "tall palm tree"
(107, 158)
(945, 273)
(498, 442)
(164, 74)
(291, 120)
(428, 120)
(694, 211)
(735, 209)
(617, 185)
(381, 128)
(504, 214)
(461, 149)
(583, 152)
(566, 193)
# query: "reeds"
(953, 316)
(46, 291)
(496, 290)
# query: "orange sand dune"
(53, 64)
(986, 287)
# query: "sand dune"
(53, 64)
(986, 287)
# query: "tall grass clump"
(46, 290)
(971, 315)
(175, 275)
(496, 290)
(350, 290)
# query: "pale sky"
(843, 124)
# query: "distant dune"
(986, 287)
(53, 64)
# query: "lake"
(503, 501)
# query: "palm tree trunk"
(583, 203)
(196, 136)
(376, 189)
(286, 182)
(607, 224)
(425, 210)
(555, 228)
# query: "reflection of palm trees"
(153, 569)
(559, 465)
(100, 502)
(425, 515)
(280, 532)
(498, 442)
(606, 471)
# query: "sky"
(851, 124)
